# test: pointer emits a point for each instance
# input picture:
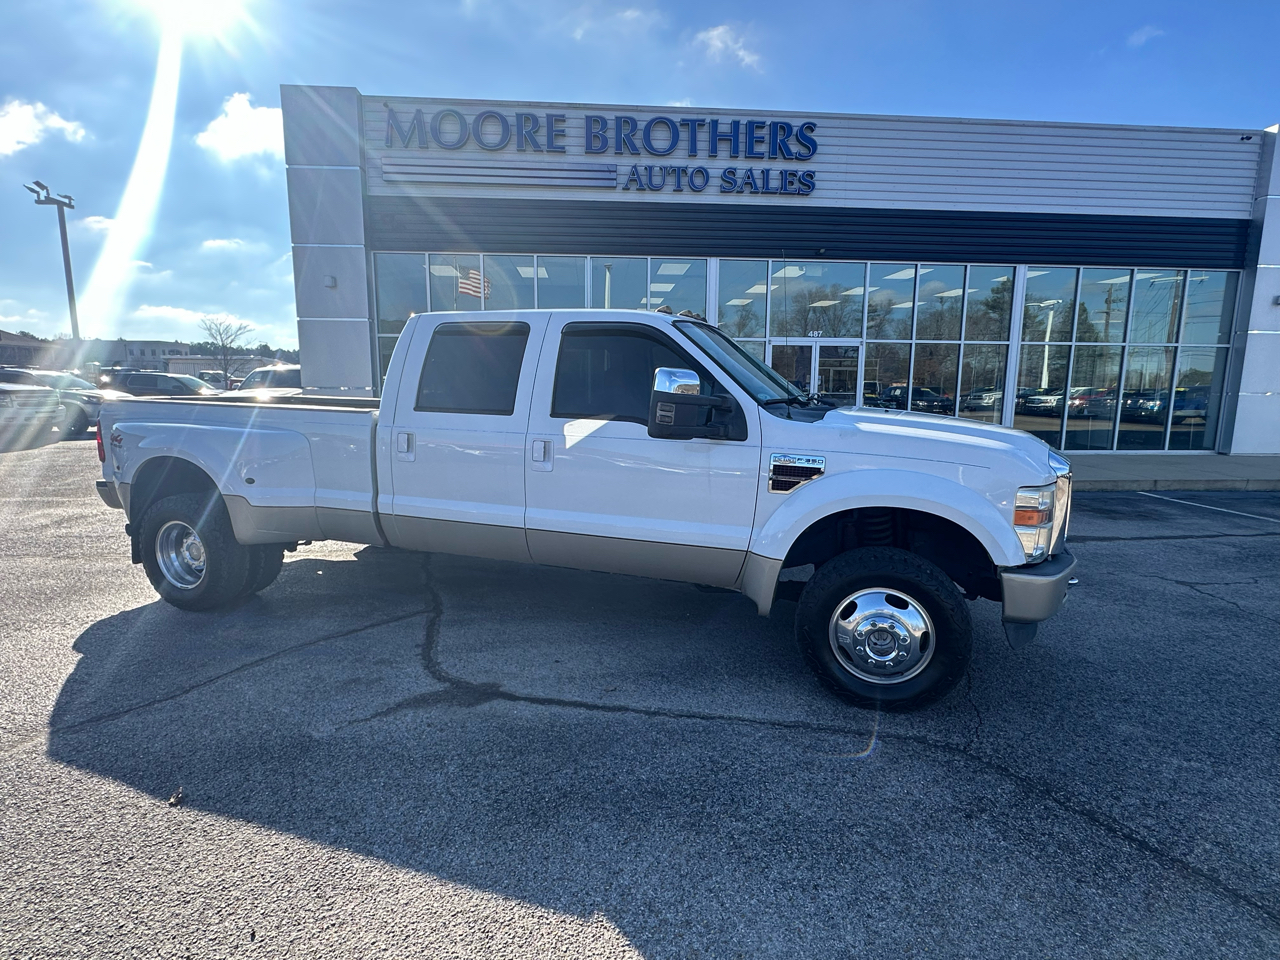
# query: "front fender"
(889, 488)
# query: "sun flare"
(196, 18)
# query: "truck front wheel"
(190, 553)
(884, 628)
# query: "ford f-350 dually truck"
(623, 441)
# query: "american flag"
(470, 284)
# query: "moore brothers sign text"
(751, 156)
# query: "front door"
(603, 494)
(828, 368)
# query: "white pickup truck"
(621, 441)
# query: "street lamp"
(63, 203)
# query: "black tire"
(225, 561)
(78, 424)
(948, 645)
(265, 563)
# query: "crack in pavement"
(1086, 538)
(1195, 587)
(461, 692)
(192, 688)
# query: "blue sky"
(76, 81)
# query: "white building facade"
(1106, 288)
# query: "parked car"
(28, 414)
(626, 442)
(1190, 403)
(277, 380)
(215, 378)
(925, 400)
(1040, 404)
(1145, 406)
(143, 384)
(80, 398)
(984, 398)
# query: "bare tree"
(228, 338)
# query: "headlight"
(5, 400)
(1040, 514)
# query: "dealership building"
(1107, 288)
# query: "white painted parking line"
(1189, 503)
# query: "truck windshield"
(747, 372)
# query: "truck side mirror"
(678, 411)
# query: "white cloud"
(22, 124)
(686, 102)
(96, 224)
(230, 243)
(243, 130)
(1143, 34)
(722, 40)
(630, 23)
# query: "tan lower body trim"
(489, 541)
(642, 558)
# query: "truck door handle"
(405, 446)
(540, 451)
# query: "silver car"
(82, 399)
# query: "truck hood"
(922, 436)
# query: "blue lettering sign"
(633, 175)
(808, 145)
(728, 178)
(625, 133)
(806, 183)
(779, 133)
(679, 173)
(504, 130)
(755, 138)
(555, 130)
(463, 131)
(715, 136)
(649, 168)
(673, 136)
(418, 127)
(597, 140)
(691, 127)
(699, 177)
(527, 127)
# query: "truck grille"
(788, 471)
(35, 402)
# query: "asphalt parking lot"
(390, 754)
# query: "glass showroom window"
(400, 290)
(1120, 380)
(816, 299)
(562, 282)
(679, 284)
(743, 294)
(620, 283)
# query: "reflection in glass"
(885, 379)
(455, 282)
(990, 296)
(1104, 300)
(1049, 304)
(508, 282)
(890, 295)
(821, 299)
(400, 285)
(838, 373)
(753, 347)
(933, 380)
(1197, 397)
(1144, 405)
(620, 283)
(794, 364)
(1042, 380)
(678, 284)
(1157, 298)
(562, 282)
(1211, 304)
(385, 347)
(1091, 402)
(982, 381)
(744, 285)
(941, 298)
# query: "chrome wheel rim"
(180, 555)
(881, 635)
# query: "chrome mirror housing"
(675, 380)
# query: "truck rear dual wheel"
(192, 557)
(884, 628)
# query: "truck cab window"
(606, 373)
(473, 368)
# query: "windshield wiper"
(801, 400)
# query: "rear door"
(602, 493)
(458, 435)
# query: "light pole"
(63, 203)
